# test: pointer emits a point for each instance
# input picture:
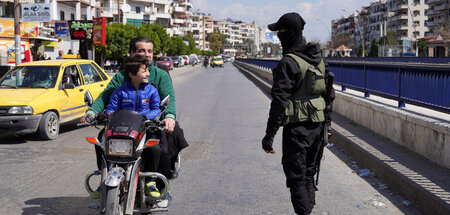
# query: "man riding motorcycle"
(162, 82)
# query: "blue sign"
(61, 28)
(269, 37)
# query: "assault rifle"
(329, 98)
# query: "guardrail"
(441, 60)
(422, 85)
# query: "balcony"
(434, 1)
(178, 21)
(167, 2)
(401, 6)
(179, 9)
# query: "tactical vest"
(307, 104)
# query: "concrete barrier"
(425, 135)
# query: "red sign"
(99, 31)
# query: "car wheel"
(49, 126)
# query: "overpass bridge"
(392, 116)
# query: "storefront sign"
(61, 28)
(99, 31)
(27, 29)
(36, 13)
(7, 47)
(50, 43)
(81, 29)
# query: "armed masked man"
(298, 104)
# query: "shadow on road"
(64, 128)
(58, 206)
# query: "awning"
(20, 1)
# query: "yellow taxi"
(39, 96)
(217, 61)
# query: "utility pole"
(331, 36)
(414, 26)
(18, 49)
(359, 29)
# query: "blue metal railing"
(422, 85)
(394, 59)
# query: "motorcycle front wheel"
(113, 204)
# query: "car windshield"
(217, 58)
(164, 59)
(30, 77)
(175, 58)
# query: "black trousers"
(301, 144)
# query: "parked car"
(227, 59)
(193, 60)
(217, 61)
(166, 61)
(177, 61)
(186, 59)
(51, 92)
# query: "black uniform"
(301, 140)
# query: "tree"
(118, 38)
(191, 47)
(443, 30)
(390, 39)
(360, 49)
(177, 46)
(343, 39)
(216, 41)
(374, 49)
(423, 50)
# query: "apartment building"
(202, 25)
(438, 14)
(407, 18)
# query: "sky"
(317, 14)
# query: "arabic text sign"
(81, 29)
(61, 28)
(36, 13)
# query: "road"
(224, 170)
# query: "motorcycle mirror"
(88, 99)
(164, 102)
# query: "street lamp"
(359, 29)
(331, 36)
(414, 26)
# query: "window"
(138, 10)
(100, 71)
(61, 15)
(416, 2)
(72, 73)
(72, 16)
(90, 74)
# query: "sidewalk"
(425, 184)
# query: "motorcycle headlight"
(120, 147)
(20, 110)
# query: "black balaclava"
(293, 23)
(289, 39)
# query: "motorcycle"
(126, 135)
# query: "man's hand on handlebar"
(169, 124)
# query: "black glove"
(89, 118)
(267, 142)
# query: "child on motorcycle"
(146, 100)
(138, 95)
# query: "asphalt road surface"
(224, 170)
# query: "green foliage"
(177, 46)
(216, 41)
(423, 49)
(390, 39)
(360, 50)
(374, 49)
(118, 38)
